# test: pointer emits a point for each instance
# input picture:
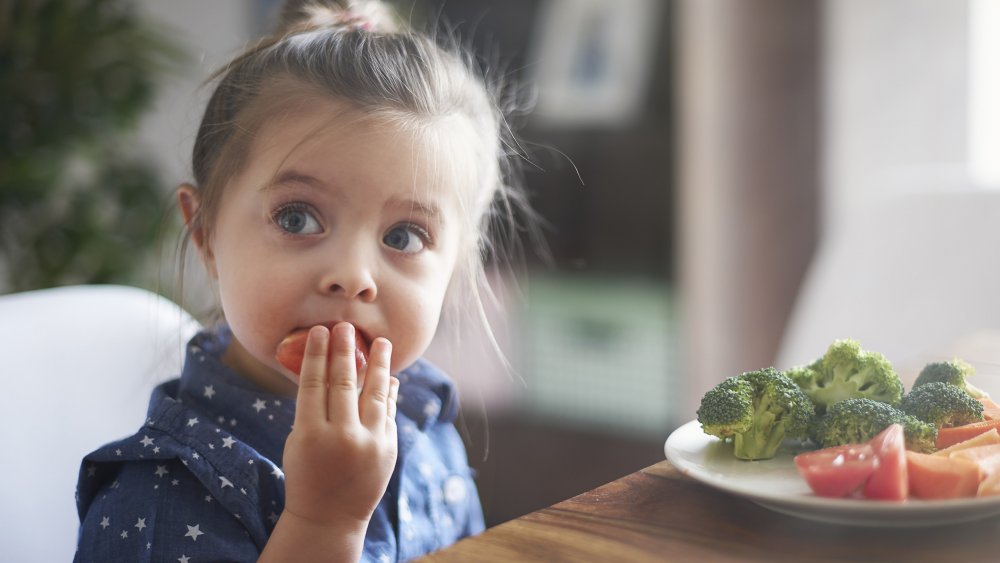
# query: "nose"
(349, 275)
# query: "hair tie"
(359, 16)
(353, 20)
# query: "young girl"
(344, 176)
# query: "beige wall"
(747, 115)
(791, 114)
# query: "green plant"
(78, 203)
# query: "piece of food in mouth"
(292, 349)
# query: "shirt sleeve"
(153, 511)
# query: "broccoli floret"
(847, 372)
(956, 372)
(727, 409)
(858, 420)
(942, 404)
(757, 411)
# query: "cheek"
(415, 321)
(255, 299)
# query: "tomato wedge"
(837, 471)
(889, 481)
(292, 349)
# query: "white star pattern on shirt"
(404, 509)
(146, 441)
(105, 522)
(431, 409)
(193, 532)
(228, 442)
(225, 482)
(192, 421)
(259, 405)
(124, 534)
(161, 470)
(184, 559)
(209, 391)
(141, 524)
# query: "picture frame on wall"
(592, 60)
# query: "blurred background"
(692, 159)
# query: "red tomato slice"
(889, 481)
(837, 471)
(292, 349)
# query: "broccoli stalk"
(764, 435)
(756, 411)
(846, 371)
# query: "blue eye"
(406, 238)
(296, 219)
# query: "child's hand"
(342, 449)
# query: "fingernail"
(384, 349)
(318, 333)
(346, 331)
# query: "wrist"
(299, 538)
(344, 525)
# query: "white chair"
(914, 276)
(77, 364)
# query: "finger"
(375, 394)
(342, 399)
(393, 397)
(311, 399)
(362, 372)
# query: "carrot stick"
(986, 438)
(949, 436)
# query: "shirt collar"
(426, 395)
(260, 419)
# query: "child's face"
(347, 224)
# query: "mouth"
(292, 349)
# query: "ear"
(189, 201)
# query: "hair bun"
(367, 15)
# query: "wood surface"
(658, 514)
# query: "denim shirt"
(201, 480)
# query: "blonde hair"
(357, 52)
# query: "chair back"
(78, 364)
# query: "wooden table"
(658, 514)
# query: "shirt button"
(454, 489)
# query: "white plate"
(777, 485)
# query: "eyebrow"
(290, 177)
(286, 177)
(427, 209)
